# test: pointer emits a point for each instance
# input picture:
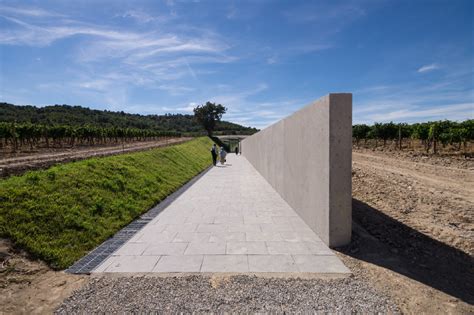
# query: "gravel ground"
(242, 294)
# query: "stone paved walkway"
(230, 220)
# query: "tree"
(208, 115)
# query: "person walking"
(236, 150)
(214, 154)
(223, 154)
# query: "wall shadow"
(386, 242)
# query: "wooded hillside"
(81, 116)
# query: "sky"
(403, 60)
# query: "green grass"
(61, 213)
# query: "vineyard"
(456, 135)
(18, 136)
(65, 115)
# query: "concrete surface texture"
(307, 157)
(230, 220)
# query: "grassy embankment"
(61, 213)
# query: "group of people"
(221, 153)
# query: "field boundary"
(98, 255)
(8, 166)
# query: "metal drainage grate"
(92, 260)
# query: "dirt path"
(35, 160)
(413, 234)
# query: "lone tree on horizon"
(208, 115)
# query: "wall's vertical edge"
(296, 156)
(340, 161)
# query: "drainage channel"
(92, 260)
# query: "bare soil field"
(429, 195)
(15, 164)
(413, 234)
(413, 239)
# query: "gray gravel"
(242, 294)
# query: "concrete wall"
(307, 158)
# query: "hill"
(80, 116)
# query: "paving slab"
(229, 221)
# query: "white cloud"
(106, 42)
(27, 34)
(140, 16)
(450, 111)
(448, 97)
(272, 60)
(186, 109)
(98, 85)
(29, 12)
(428, 68)
(242, 109)
(176, 89)
(238, 99)
(108, 57)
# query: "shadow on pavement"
(386, 242)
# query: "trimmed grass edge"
(60, 214)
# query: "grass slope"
(61, 213)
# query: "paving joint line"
(94, 258)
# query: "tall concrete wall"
(307, 158)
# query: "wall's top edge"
(303, 108)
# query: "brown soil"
(43, 158)
(413, 234)
(447, 159)
(413, 239)
(28, 286)
(435, 200)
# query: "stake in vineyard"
(16, 135)
(430, 134)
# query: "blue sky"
(402, 60)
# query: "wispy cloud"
(237, 99)
(27, 34)
(247, 108)
(109, 42)
(449, 111)
(140, 16)
(428, 68)
(272, 60)
(263, 114)
(446, 98)
(28, 12)
(176, 89)
(109, 58)
(151, 57)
